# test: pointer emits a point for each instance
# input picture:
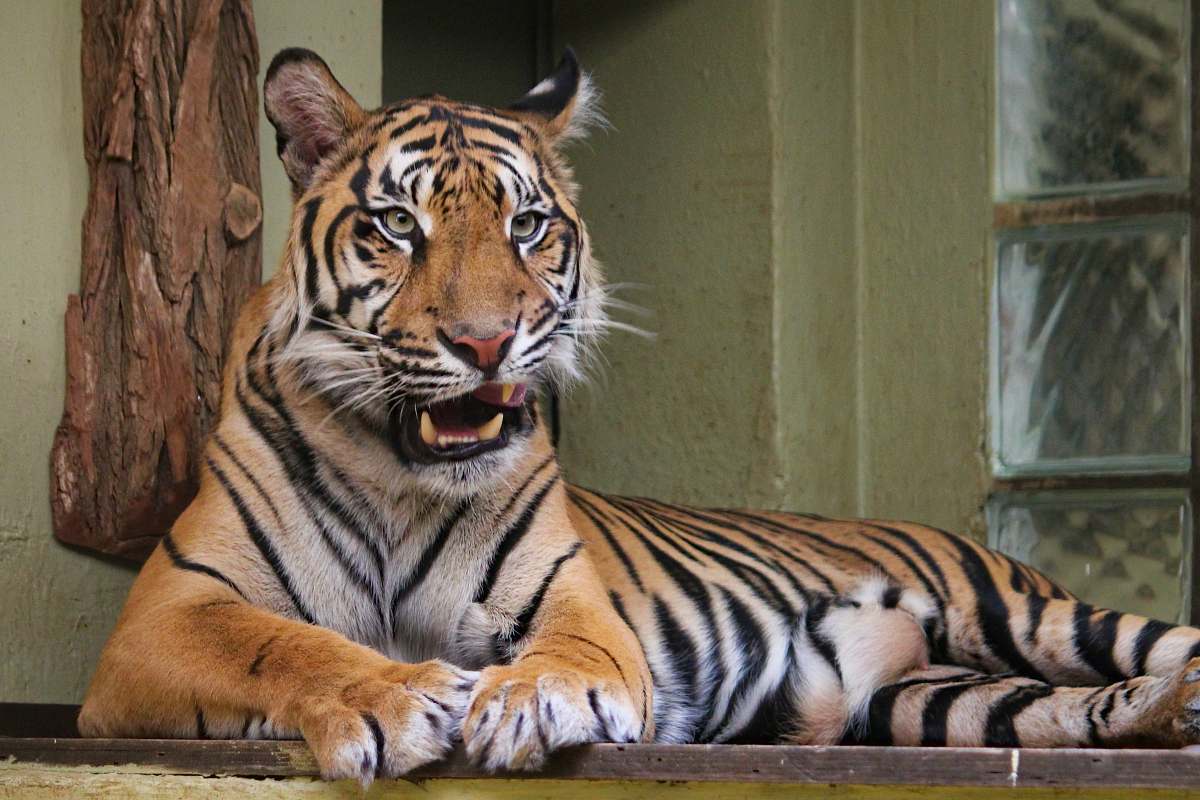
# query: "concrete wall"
(803, 187)
(678, 197)
(924, 113)
(349, 36)
(57, 606)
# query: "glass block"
(1091, 96)
(1128, 550)
(1090, 349)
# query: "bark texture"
(171, 249)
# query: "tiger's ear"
(312, 112)
(565, 104)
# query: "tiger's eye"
(525, 225)
(399, 222)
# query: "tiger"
(384, 557)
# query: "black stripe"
(311, 208)
(342, 558)
(791, 556)
(1036, 606)
(921, 552)
(1000, 729)
(260, 656)
(405, 127)
(345, 297)
(492, 125)
(261, 541)
(941, 645)
(201, 728)
(512, 501)
(1095, 643)
(300, 470)
(612, 659)
(937, 712)
(427, 559)
(529, 612)
(300, 462)
(991, 611)
(1147, 637)
(627, 506)
(590, 512)
(416, 144)
(879, 717)
(681, 652)
(249, 476)
(813, 618)
(181, 562)
(619, 605)
(695, 590)
(752, 646)
(719, 538)
(777, 713)
(1110, 703)
(511, 538)
(1089, 704)
(380, 742)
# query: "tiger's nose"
(486, 354)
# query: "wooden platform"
(67, 766)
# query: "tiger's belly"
(720, 615)
(721, 674)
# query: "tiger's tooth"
(491, 429)
(429, 434)
(506, 392)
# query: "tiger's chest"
(406, 589)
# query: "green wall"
(348, 35)
(678, 197)
(924, 111)
(56, 605)
(803, 188)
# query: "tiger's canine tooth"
(429, 433)
(490, 429)
(506, 392)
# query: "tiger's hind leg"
(959, 707)
(848, 647)
(997, 615)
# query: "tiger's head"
(437, 273)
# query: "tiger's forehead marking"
(449, 155)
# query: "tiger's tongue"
(502, 395)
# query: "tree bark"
(171, 249)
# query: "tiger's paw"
(386, 721)
(1176, 714)
(520, 713)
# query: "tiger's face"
(438, 273)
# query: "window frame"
(1010, 215)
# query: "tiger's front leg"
(191, 658)
(571, 671)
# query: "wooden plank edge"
(1143, 769)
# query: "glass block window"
(1127, 549)
(1093, 95)
(1090, 331)
(1091, 372)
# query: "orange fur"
(342, 577)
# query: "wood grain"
(890, 766)
(170, 252)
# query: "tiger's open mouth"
(464, 427)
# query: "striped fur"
(334, 580)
